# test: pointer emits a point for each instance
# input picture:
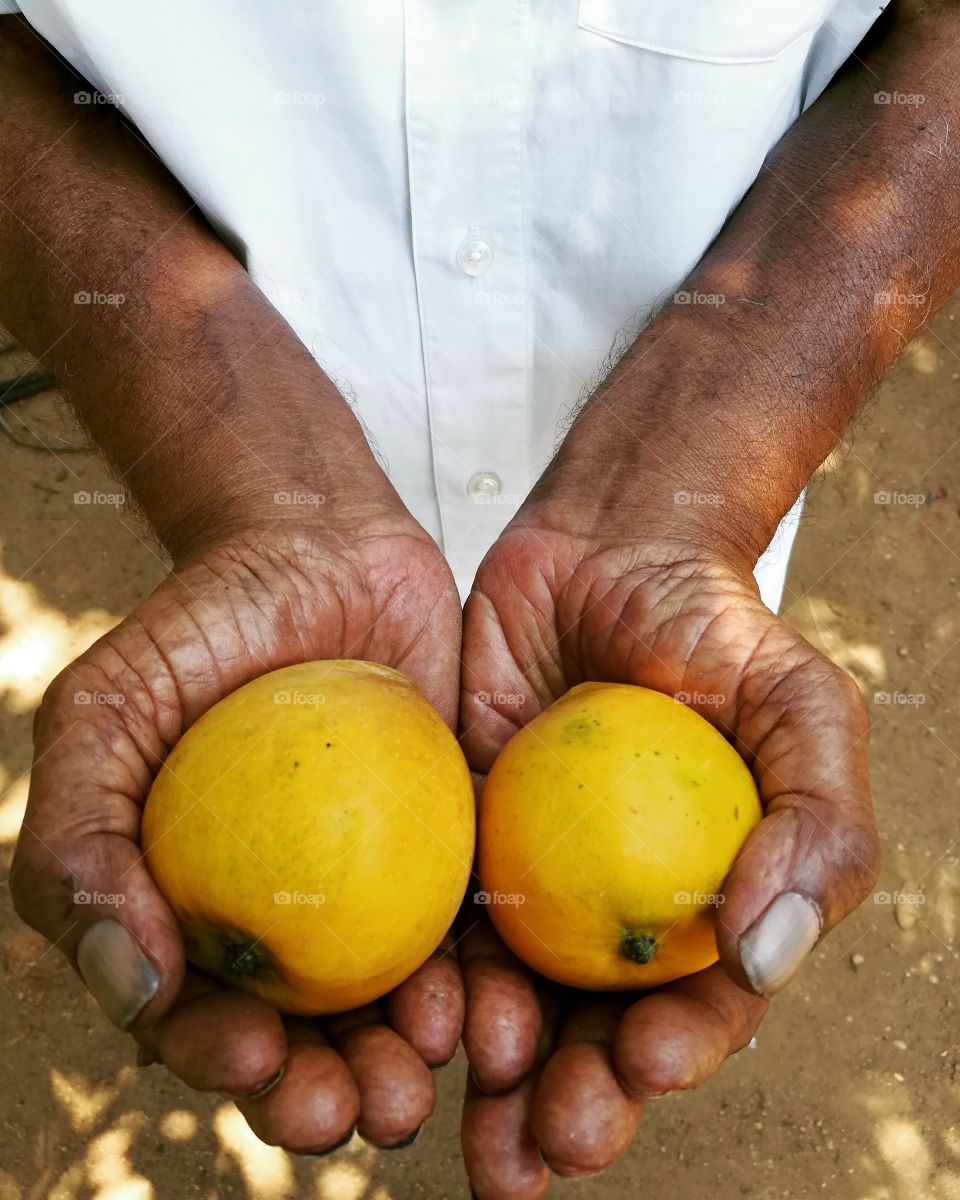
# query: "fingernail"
(331, 1150)
(267, 1087)
(408, 1141)
(118, 975)
(478, 1085)
(570, 1173)
(773, 948)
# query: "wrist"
(229, 424)
(683, 441)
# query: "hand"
(235, 609)
(564, 1074)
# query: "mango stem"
(638, 947)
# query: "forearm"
(841, 251)
(195, 388)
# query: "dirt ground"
(852, 1091)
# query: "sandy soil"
(853, 1089)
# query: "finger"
(678, 1036)
(427, 1010)
(78, 874)
(504, 1020)
(582, 1117)
(815, 855)
(395, 1086)
(217, 1040)
(91, 895)
(313, 1108)
(500, 1152)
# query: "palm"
(549, 611)
(247, 606)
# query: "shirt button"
(483, 484)
(474, 255)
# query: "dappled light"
(13, 805)
(921, 356)
(265, 1169)
(109, 1171)
(83, 1103)
(852, 1086)
(38, 641)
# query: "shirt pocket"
(715, 31)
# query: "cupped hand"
(235, 609)
(559, 1078)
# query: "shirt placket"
(465, 105)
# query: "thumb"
(815, 855)
(496, 697)
(78, 874)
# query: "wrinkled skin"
(557, 1077)
(233, 610)
(560, 1078)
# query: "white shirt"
(457, 206)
